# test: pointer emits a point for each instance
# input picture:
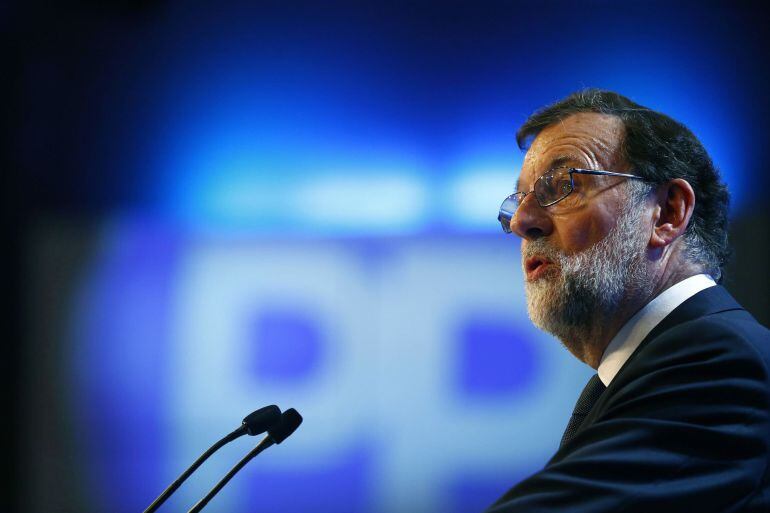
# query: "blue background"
(225, 206)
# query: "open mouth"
(536, 266)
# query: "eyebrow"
(555, 162)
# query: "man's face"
(584, 140)
(582, 255)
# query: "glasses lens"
(553, 186)
(507, 210)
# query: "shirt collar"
(623, 345)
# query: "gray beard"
(574, 301)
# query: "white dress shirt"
(623, 345)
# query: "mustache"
(541, 248)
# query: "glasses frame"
(505, 216)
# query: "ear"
(673, 210)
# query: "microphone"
(255, 423)
(290, 421)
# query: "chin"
(543, 301)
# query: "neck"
(595, 339)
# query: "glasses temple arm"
(606, 173)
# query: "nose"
(531, 221)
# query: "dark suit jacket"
(684, 426)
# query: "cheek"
(579, 232)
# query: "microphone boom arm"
(261, 446)
(197, 463)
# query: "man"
(623, 222)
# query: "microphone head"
(261, 420)
(290, 421)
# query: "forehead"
(586, 139)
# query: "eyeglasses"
(549, 189)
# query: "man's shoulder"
(709, 329)
(736, 330)
(706, 371)
(709, 324)
(733, 340)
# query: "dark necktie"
(591, 393)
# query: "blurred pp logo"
(423, 385)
